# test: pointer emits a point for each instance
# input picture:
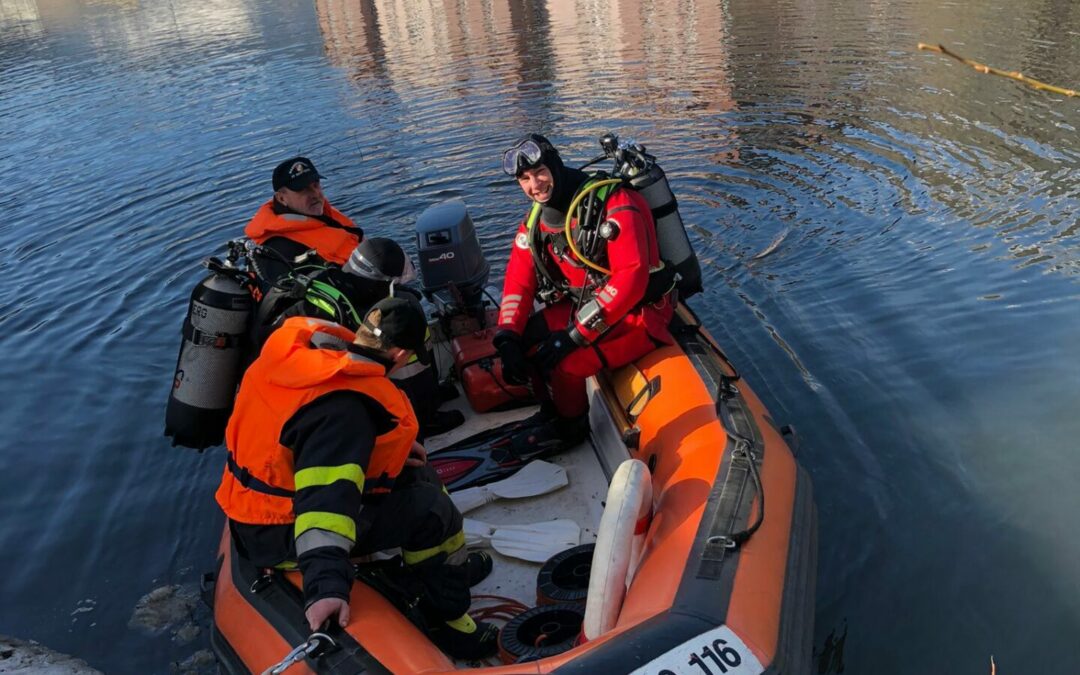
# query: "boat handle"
(312, 647)
(792, 438)
(651, 389)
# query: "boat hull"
(725, 583)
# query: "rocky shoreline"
(19, 657)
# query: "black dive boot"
(550, 436)
(443, 421)
(448, 391)
(447, 595)
(478, 566)
(545, 414)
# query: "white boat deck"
(582, 501)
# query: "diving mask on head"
(526, 154)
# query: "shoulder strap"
(534, 216)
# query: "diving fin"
(535, 478)
(488, 455)
(535, 542)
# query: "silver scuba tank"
(211, 359)
(651, 182)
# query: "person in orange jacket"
(323, 464)
(590, 320)
(299, 218)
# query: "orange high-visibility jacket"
(331, 243)
(290, 373)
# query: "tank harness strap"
(253, 483)
(600, 355)
(534, 215)
(547, 289)
(216, 340)
(666, 210)
(662, 281)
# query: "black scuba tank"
(211, 360)
(671, 236)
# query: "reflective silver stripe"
(511, 297)
(408, 370)
(353, 356)
(321, 340)
(292, 216)
(604, 297)
(313, 539)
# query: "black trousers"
(417, 515)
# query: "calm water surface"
(890, 242)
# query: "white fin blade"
(472, 498)
(477, 533)
(535, 478)
(536, 542)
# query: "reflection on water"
(889, 240)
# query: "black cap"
(401, 324)
(296, 174)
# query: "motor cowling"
(211, 360)
(671, 236)
(453, 269)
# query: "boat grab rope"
(311, 648)
(743, 453)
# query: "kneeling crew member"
(319, 430)
(377, 269)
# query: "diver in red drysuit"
(590, 320)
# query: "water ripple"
(889, 241)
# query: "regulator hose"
(569, 215)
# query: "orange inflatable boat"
(703, 557)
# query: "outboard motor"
(211, 360)
(453, 269)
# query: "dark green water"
(889, 238)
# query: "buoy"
(619, 542)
